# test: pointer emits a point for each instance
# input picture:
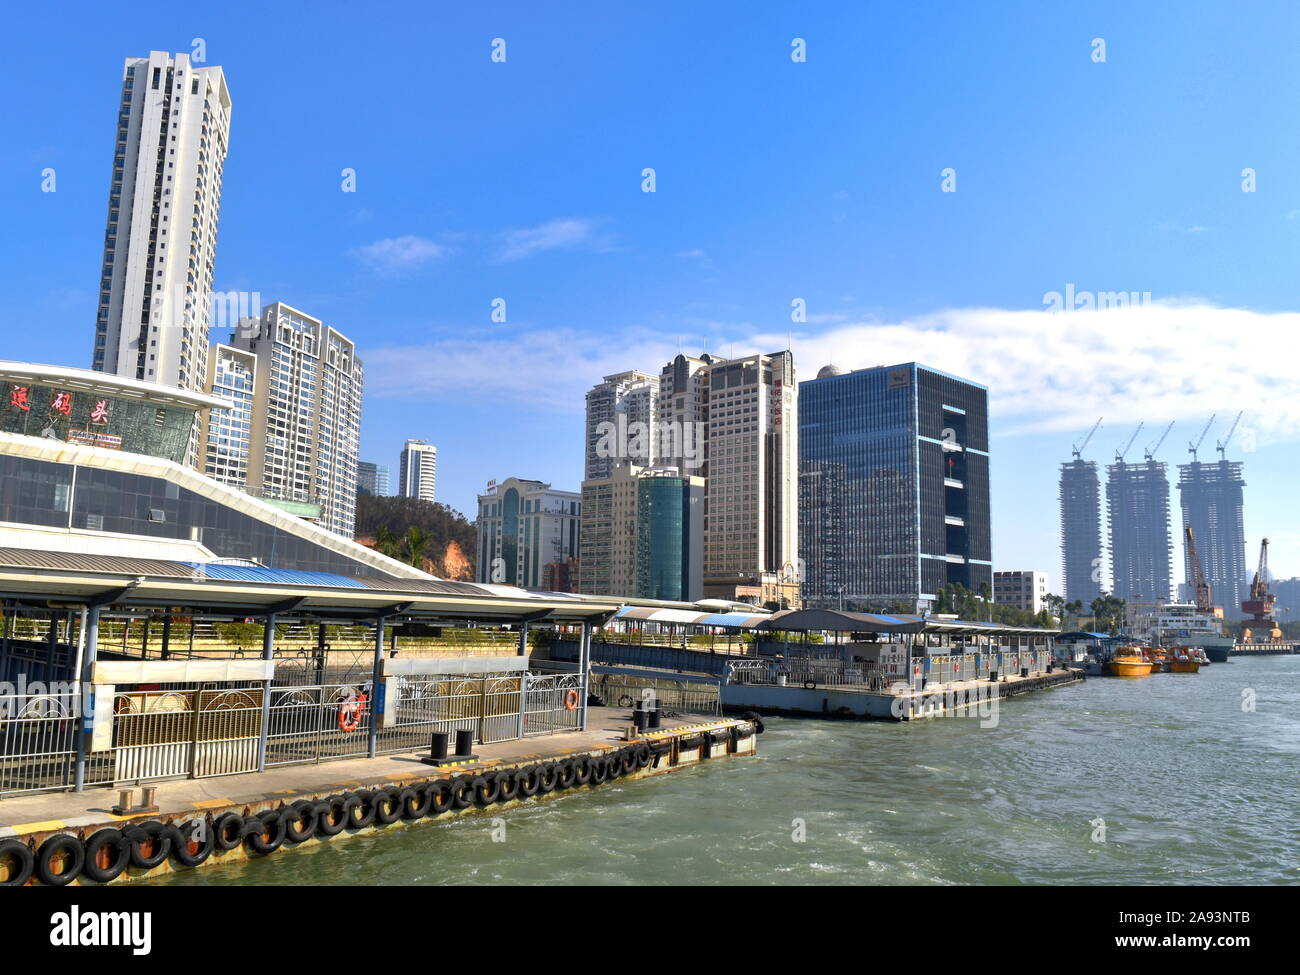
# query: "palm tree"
(414, 544)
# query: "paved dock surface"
(49, 811)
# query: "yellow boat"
(1182, 661)
(1129, 662)
(1159, 659)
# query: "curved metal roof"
(838, 621)
(108, 383)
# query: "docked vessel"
(1130, 662)
(1183, 624)
(1183, 660)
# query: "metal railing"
(37, 742)
(676, 695)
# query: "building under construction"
(1211, 498)
(1081, 530)
(1137, 496)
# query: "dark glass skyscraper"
(894, 487)
(1138, 498)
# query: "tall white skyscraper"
(620, 422)
(418, 476)
(164, 201)
(304, 430)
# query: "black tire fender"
(548, 777)
(441, 796)
(530, 781)
(228, 831)
(189, 852)
(300, 821)
(23, 862)
(413, 802)
(629, 759)
(599, 770)
(583, 768)
(74, 852)
(508, 780)
(753, 718)
(332, 818)
(566, 774)
(153, 832)
(100, 842)
(462, 791)
(273, 832)
(361, 814)
(487, 789)
(388, 806)
(643, 755)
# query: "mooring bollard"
(993, 676)
(639, 719)
(438, 745)
(148, 801)
(464, 741)
(1024, 671)
(655, 719)
(125, 802)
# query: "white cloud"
(552, 235)
(1046, 372)
(399, 253)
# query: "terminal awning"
(838, 621)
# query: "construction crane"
(1078, 451)
(1119, 454)
(1223, 444)
(1192, 448)
(1259, 607)
(1201, 585)
(1150, 452)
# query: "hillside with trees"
(432, 537)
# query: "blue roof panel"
(284, 577)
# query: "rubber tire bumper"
(332, 816)
(529, 781)
(548, 778)
(752, 716)
(508, 780)
(583, 767)
(416, 801)
(462, 791)
(361, 814)
(487, 789)
(181, 837)
(138, 835)
(228, 831)
(21, 853)
(272, 821)
(300, 821)
(599, 770)
(388, 806)
(65, 843)
(566, 774)
(97, 842)
(441, 796)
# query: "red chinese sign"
(100, 413)
(18, 398)
(62, 403)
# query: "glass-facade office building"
(894, 487)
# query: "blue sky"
(776, 180)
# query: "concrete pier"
(688, 740)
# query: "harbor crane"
(1192, 448)
(1119, 454)
(1150, 452)
(1200, 584)
(1223, 445)
(1259, 607)
(1078, 451)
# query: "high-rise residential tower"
(417, 475)
(306, 414)
(1081, 560)
(621, 420)
(161, 239)
(372, 478)
(1137, 497)
(523, 527)
(902, 453)
(1211, 498)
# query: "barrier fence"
(163, 731)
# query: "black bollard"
(655, 717)
(993, 676)
(639, 719)
(464, 742)
(438, 745)
(1024, 671)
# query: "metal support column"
(523, 639)
(376, 683)
(87, 644)
(51, 646)
(268, 653)
(584, 672)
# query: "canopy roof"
(837, 621)
(68, 580)
(743, 621)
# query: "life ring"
(571, 700)
(350, 713)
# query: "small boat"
(1159, 658)
(1129, 662)
(1182, 660)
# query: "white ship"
(1182, 624)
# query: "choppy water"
(1192, 789)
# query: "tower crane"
(1150, 452)
(1200, 584)
(1192, 448)
(1119, 454)
(1259, 607)
(1223, 445)
(1078, 451)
